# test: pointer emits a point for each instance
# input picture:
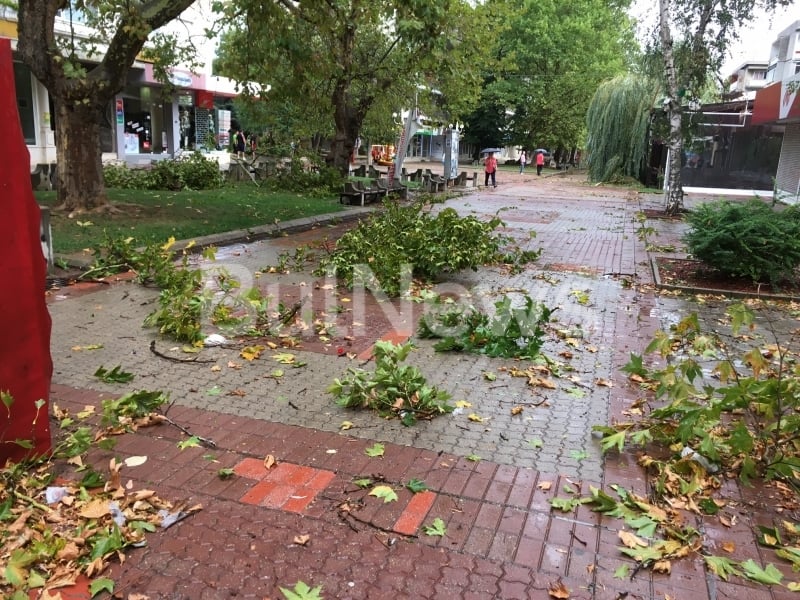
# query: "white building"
(142, 124)
(778, 103)
(746, 80)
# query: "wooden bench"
(433, 183)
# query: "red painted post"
(25, 363)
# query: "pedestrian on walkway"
(490, 168)
(522, 160)
(539, 162)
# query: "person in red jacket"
(539, 162)
(490, 169)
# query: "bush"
(746, 239)
(196, 172)
(306, 174)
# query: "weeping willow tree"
(617, 126)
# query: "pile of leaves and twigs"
(386, 250)
(55, 530)
(721, 413)
(513, 332)
(393, 390)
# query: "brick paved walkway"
(502, 539)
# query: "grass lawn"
(157, 215)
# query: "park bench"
(371, 193)
(393, 187)
(352, 194)
(433, 183)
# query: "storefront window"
(22, 81)
(145, 121)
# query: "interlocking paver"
(503, 540)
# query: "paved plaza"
(489, 479)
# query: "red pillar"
(25, 363)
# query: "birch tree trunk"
(674, 193)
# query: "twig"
(196, 359)
(205, 441)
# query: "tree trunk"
(79, 184)
(347, 121)
(673, 196)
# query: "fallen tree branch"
(196, 359)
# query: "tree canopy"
(338, 60)
(550, 58)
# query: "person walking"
(522, 160)
(539, 162)
(490, 169)
(239, 144)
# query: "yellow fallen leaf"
(631, 540)
(272, 345)
(545, 485)
(301, 540)
(135, 461)
(475, 418)
(729, 547)
(234, 365)
(216, 368)
(346, 425)
(603, 382)
(558, 590)
(662, 566)
(269, 461)
(516, 410)
(97, 508)
(463, 404)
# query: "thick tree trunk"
(347, 121)
(673, 196)
(79, 184)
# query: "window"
(758, 75)
(22, 81)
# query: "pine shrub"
(746, 239)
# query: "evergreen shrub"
(746, 239)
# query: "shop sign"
(180, 79)
(120, 110)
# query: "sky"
(755, 40)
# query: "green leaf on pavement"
(769, 575)
(385, 492)
(375, 450)
(416, 486)
(301, 591)
(722, 567)
(436, 528)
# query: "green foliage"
(404, 240)
(394, 390)
(193, 172)
(744, 423)
(617, 123)
(302, 591)
(319, 180)
(513, 332)
(131, 406)
(115, 375)
(746, 239)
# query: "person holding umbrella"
(539, 161)
(490, 168)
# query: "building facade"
(778, 104)
(143, 123)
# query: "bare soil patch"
(696, 275)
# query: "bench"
(463, 178)
(394, 187)
(352, 194)
(371, 193)
(433, 183)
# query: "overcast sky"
(756, 39)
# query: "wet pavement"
(502, 539)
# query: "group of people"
(490, 166)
